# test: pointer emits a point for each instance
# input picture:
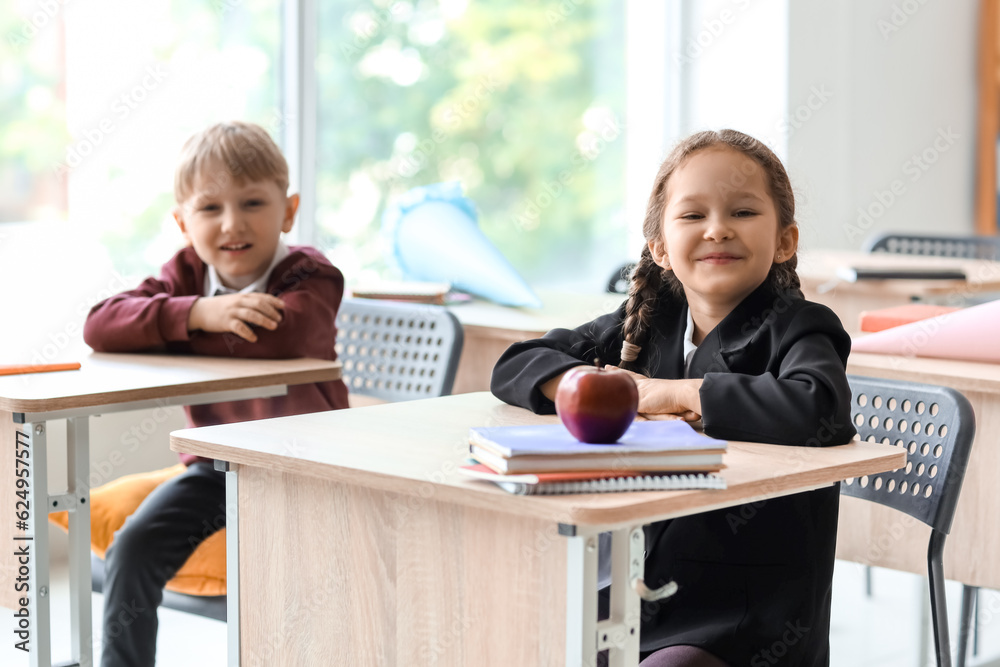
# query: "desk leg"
(78, 491)
(581, 597)
(232, 563)
(619, 633)
(38, 577)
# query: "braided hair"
(649, 279)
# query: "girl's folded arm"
(524, 367)
(807, 403)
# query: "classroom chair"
(936, 425)
(618, 282)
(395, 351)
(962, 247)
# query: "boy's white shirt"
(214, 286)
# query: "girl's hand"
(666, 399)
(235, 313)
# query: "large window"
(98, 98)
(32, 112)
(521, 102)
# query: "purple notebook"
(648, 437)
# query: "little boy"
(236, 290)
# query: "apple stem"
(597, 362)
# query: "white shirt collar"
(689, 346)
(214, 286)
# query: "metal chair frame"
(936, 425)
(618, 282)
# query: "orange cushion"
(204, 573)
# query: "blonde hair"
(243, 152)
(648, 278)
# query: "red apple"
(596, 406)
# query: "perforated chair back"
(618, 282)
(398, 351)
(964, 247)
(935, 425)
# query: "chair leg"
(939, 605)
(975, 626)
(969, 595)
(868, 581)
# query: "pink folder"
(971, 334)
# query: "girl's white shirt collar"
(689, 346)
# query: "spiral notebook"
(593, 482)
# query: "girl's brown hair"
(649, 279)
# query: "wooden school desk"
(105, 383)
(818, 273)
(353, 540)
(877, 535)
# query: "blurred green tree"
(522, 102)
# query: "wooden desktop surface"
(108, 379)
(415, 448)
(105, 379)
(877, 535)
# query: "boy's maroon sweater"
(153, 317)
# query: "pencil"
(20, 369)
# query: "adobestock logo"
(711, 30)
(32, 25)
(589, 150)
(914, 168)
(121, 108)
(800, 115)
(900, 16)
(779, 649)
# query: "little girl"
(715, 327)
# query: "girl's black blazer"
(755, 580)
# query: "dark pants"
(146, 553)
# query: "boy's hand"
(235, 313)
(666, 399)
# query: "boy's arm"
(311, 299)
(146, 318)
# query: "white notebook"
(611, 484)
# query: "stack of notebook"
(548, 459)
(413, 292)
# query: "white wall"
(870, 103)
(894, 132)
